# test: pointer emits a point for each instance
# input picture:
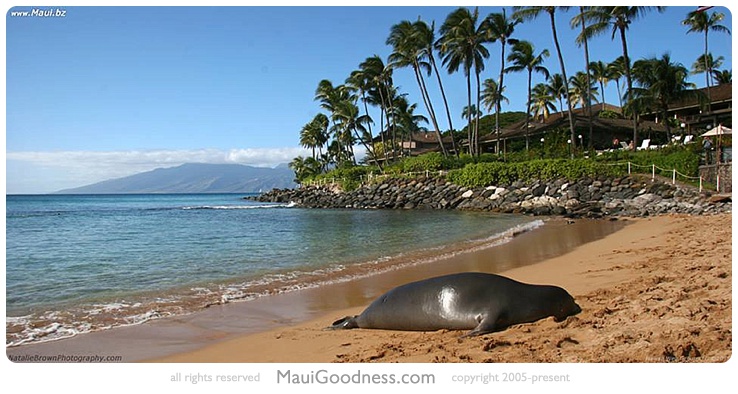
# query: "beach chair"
(645, 144)
(688, 139)
(624, 145)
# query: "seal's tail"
(346, 323)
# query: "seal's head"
(565, 307)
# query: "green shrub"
(348, 177)
(433, 161)
(685, 159)
(486, 174)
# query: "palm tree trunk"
(445, 103)
(527, 111)
(393, 124)
(707, 76)
(476, 116)
(589, 84)
(350, 147)
(620, 93)
(337, 136)
(629, 80)
(382, 134)
(498, 104)
(563, 73)
(384, 114)
(429, 107)
(373, 150)
(666, 121)
(468, 111)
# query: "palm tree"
(722, 76)
(492, 95)
(462, 43)
(335, 99)
(616, 70)
(601, 74)
(661, 81)
(470, 110)
(307, 138)
(408, 51)
(580, 92)
(705, 64)
(620, 18)
(426, 35)
(350, 126)
(473, 112)
(532, 12)
(557, 89)
(298, 166)
(522, 58)
(305, 167)
(315, 133)
(704, 22)
(500, 29)
(408, 122)
(360, 80)
(542, 102)
(381, 92)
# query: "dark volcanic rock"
(621, 196)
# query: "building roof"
(560, 119)
(718, 94)
(423, 137)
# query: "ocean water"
(77, 263)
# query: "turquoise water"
(76, 263)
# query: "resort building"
(608, 126)
(609, 129)
(696, 116)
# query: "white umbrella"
(718, 130)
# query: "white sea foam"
(225, 207)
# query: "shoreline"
(659, 292)
(58, 320)
(173, 335)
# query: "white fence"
(654, 167)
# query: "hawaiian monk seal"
(480, 302)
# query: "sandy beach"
(658, 290)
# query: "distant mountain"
(195, 178)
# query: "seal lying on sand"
(481, 302)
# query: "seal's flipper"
(486, 325)
(346, 323)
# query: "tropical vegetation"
(461, 44)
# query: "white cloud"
(36, 172)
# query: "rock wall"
(711, 172)
(622, 196)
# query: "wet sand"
(657, 291)
(220, 324)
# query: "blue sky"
(108, 91)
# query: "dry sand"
(657, 291)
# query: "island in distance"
(195, 178)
